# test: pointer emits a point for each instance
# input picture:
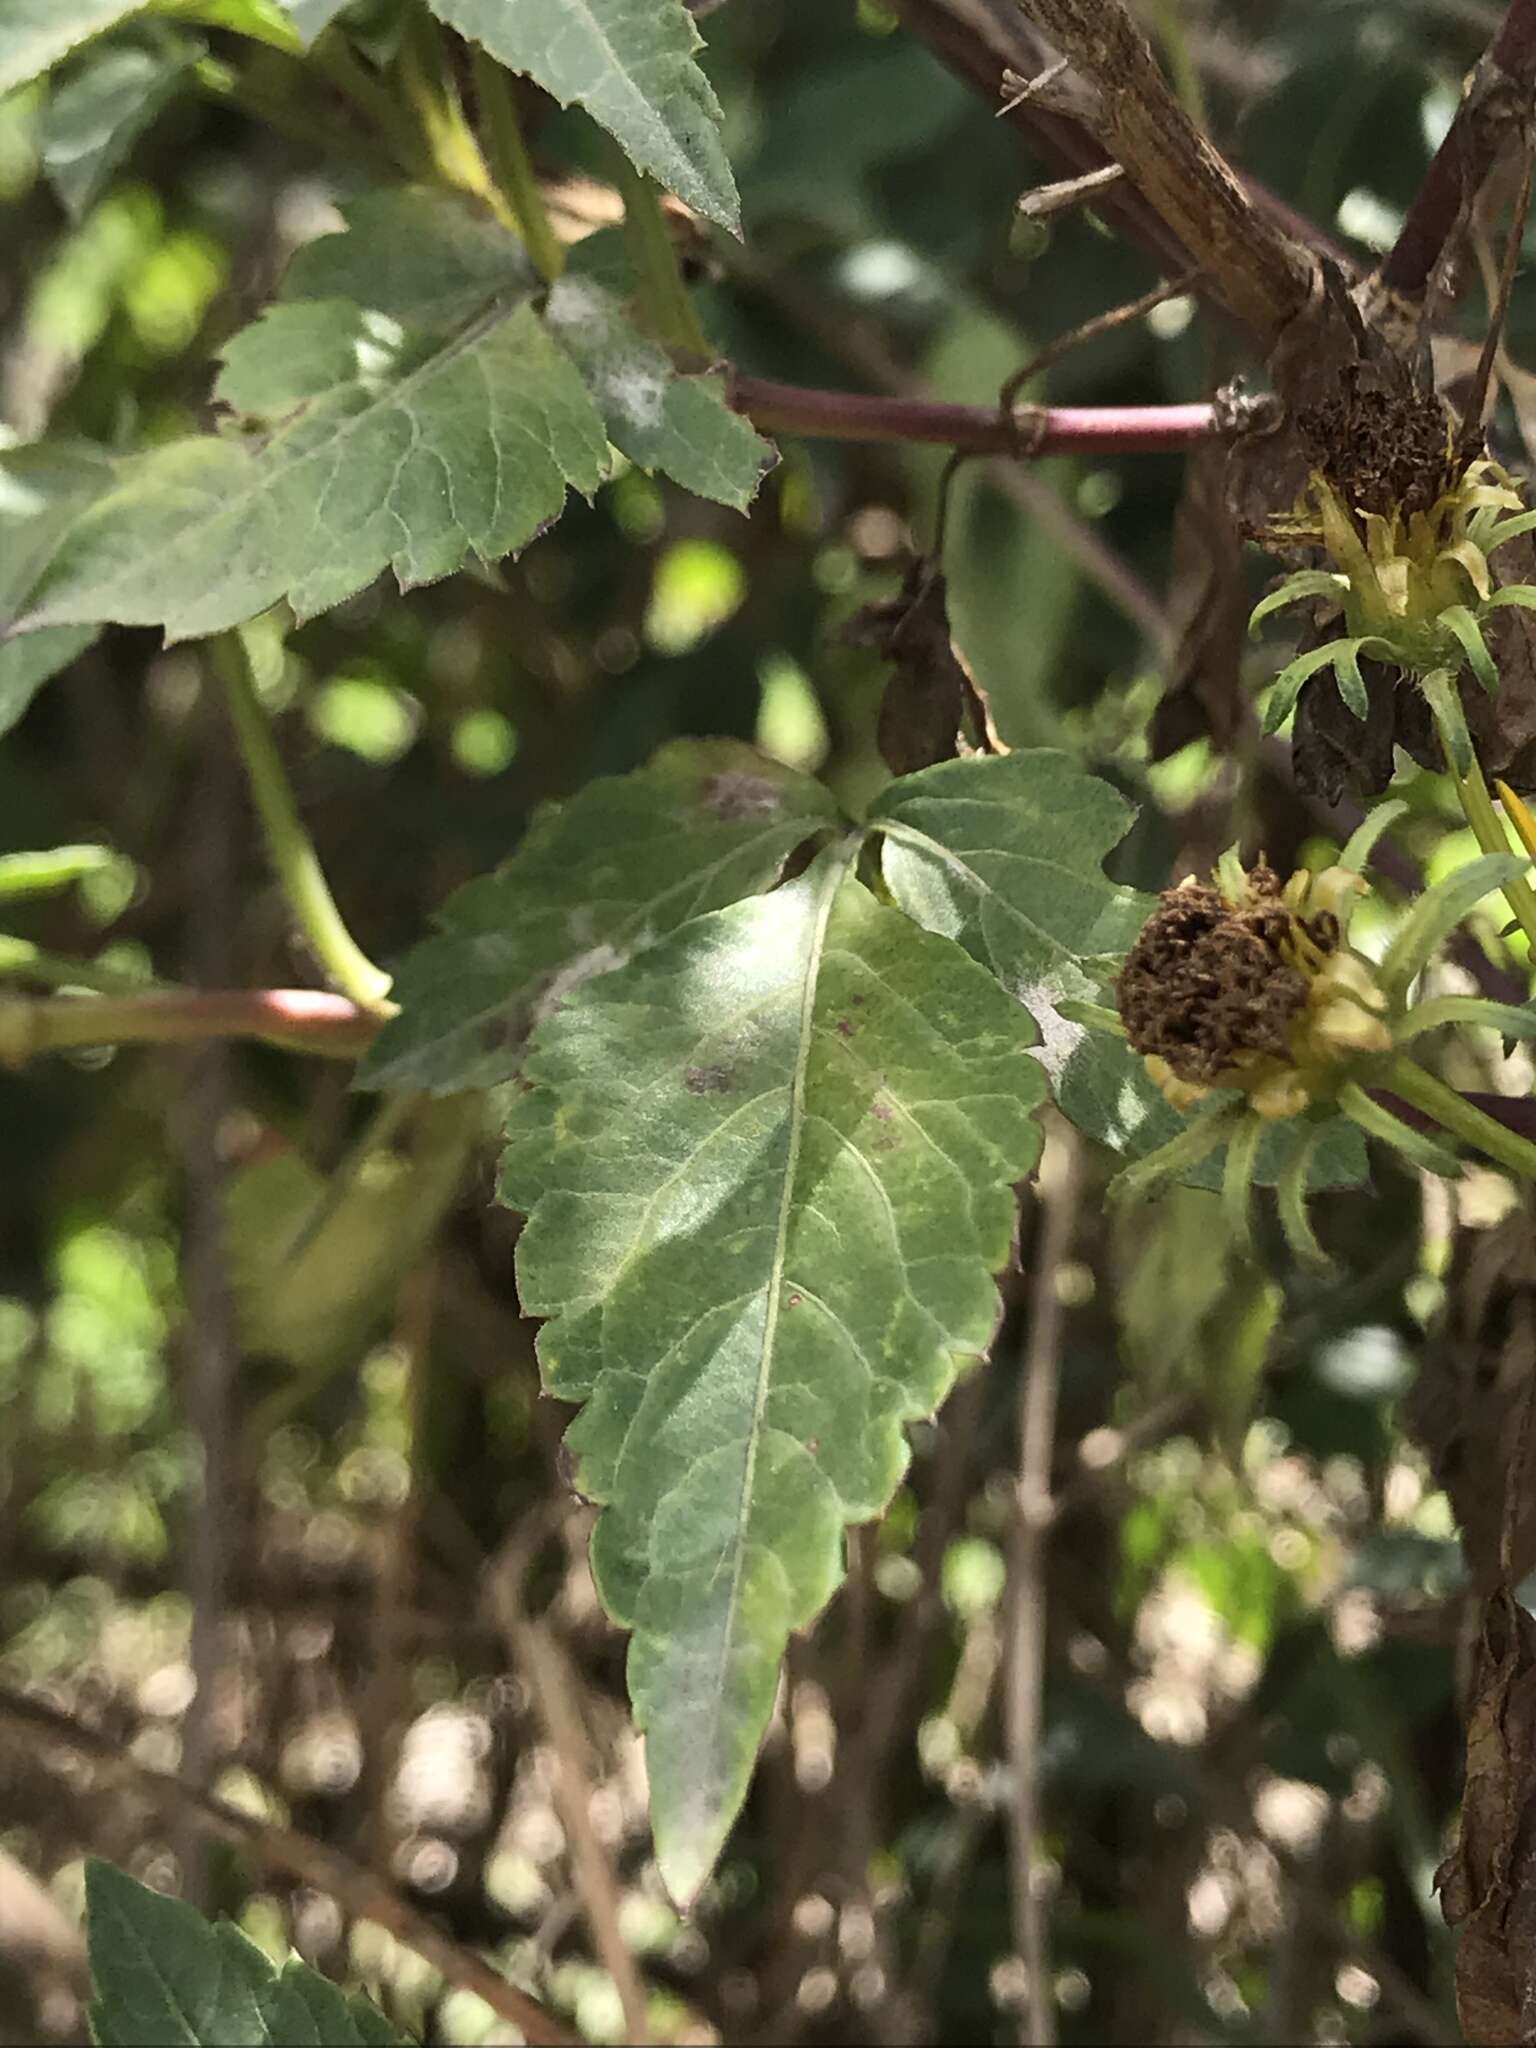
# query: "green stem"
(289, 846)
(1424, 1091)
(333, 58)
(663, 295)
(293, 114)
(22, 961)
(427, 77)
(512, 166)
(1477, 807)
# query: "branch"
(301, 1019)
(1040, 1381)
(1496, 104)
(1259, 270)
(1178, 190)
(305, 1861)
(1025, 431)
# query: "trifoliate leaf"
(595, 880)
(1005, 854)
(631, 65)
(679, 425)
(35, 34)
(768, 1173)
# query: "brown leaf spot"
(709, 1080)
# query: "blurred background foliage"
(1251, 1754)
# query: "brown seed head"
(1211, 985)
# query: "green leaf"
(1004, 854)
(1361, 843)
(36, 658)
(595, 880)
(1282, 698)
(302, 2009)
(1439, 910)
(1469, 634)
(1507, 1018)
(1102, 1087)
(35, 34)
(1295, 590)
(631, 65)
(679, 425)
(311, 16)
(767, 1169)
(1444, 700)
(1378, 1122)
(94, 118)
(166, 1978)
(433, 419)
(43, 489)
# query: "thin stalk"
(1026, 431)
(512, 166)
(663, 295)
(1477, 806)
(290, 847)
(289, 114)
(333, 58)
(432, 91)
(20, 960)
(1453, 1112)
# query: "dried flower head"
(1248, 984)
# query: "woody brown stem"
(1261, 272)
(1498, 102)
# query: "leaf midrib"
(837, 873)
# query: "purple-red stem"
(305, 1020)
(971, 429)
(1467, 154)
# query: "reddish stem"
(1503, 86)
(305, 1020)
(973, 429)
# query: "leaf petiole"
(289, 846)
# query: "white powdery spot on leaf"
(636, 391)
(578, 309)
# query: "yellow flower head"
(1247, 983)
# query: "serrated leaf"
(620, 865)
(302, 2009)
(631, 65)
(679, 425)
(1005, 854)
(94, 118)
(768, 1173)
(35, 34)
(420, 450)
(164, 1978)
(42, 491)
